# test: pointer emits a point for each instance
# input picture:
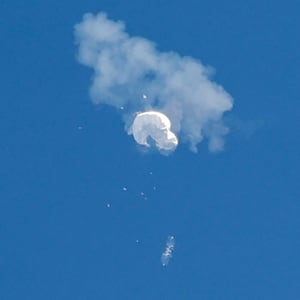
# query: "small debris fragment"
(168, 253)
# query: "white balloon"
(155, 125)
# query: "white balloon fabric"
(155, 125)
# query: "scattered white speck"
(108, 205)
(137, 241)
(154, 188)
(122, 107)
(144, 196)
(124, 188)
(145, 97)
(79, 127)
(150, 173)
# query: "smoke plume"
(133, 76)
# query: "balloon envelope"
(155, 125)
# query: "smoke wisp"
(133, 76)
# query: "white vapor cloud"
(133, 76)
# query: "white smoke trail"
(131, 75)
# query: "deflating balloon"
(155, 125)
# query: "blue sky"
(234, 214)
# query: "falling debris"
(143, 195)
(168, 253)
(156, 127)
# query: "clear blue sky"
(234, 215)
